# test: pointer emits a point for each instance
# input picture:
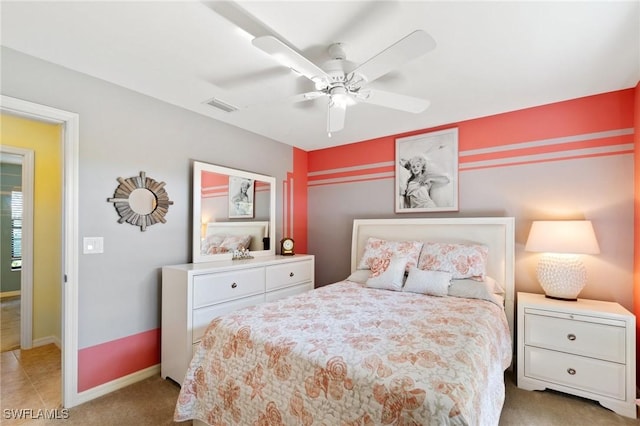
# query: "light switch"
(93, 245)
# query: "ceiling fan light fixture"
(342, 100)
(340, 97)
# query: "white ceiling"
(491, 57)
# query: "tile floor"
(30, 380)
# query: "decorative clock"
(287, 247)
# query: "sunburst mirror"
(141, 201)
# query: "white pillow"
(493, 285)
(359, 276)
(389, 276)
(471, 289)
(434, 283)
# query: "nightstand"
(585, 348)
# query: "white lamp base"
(562, 276)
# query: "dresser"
(586, 348)
(193, 294)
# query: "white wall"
(122, 133)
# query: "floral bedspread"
(344, 354)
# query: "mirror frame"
(198, 168)
(122, 197)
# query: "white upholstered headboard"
(498, 233)
(258, 230)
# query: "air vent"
(217, 103)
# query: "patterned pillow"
(387, 274)
(377, 250)
(461, 260)
(236, 242)
(211, 244)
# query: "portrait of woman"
(240, 197)
(427, 172)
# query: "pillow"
(471, 289)
(387, 274)
(461, 260)
(434, 283)
(377, 249)
(359, 276)
(236, 242)
(494, 286)
(211, 244)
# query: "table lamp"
(560, 270)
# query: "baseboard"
(47, 340)
(116, 384)
(6, 294)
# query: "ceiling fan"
(346, 84)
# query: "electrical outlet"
(93, 245)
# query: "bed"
(358, 353)
(224, 237)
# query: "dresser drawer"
(587, 374)
(604, 341)
(203, 316)
(287, 274)
(289, 291)
(215, 288)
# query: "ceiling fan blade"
(289, 57)
(394, 101)
(300, 97)
(238, 16)
(335, 117)
(410, 47)
(305, 97)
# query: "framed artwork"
(427, 172)
(241, 195)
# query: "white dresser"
(586, 348)
(195, 293)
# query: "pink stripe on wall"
(599, 125)
(115, 359)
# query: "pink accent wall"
(115, 359)
(575, 159)
(636, 275)
(300, 171)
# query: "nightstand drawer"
(588, 374)
(592, 339)
(215, 288)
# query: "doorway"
(16, 288)
(69, 245)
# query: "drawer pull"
(571, 337)
(291, 274)
(234, 285)
(571, 371)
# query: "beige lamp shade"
(560, 271)
(562, 236)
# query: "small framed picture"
(427, 172)
(241, 195)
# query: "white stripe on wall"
(547, 156)
(547, 142)
(352, 168)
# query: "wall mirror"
(232, 209)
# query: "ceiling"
(491, 57)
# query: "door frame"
(70, 157)
(26, 272)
